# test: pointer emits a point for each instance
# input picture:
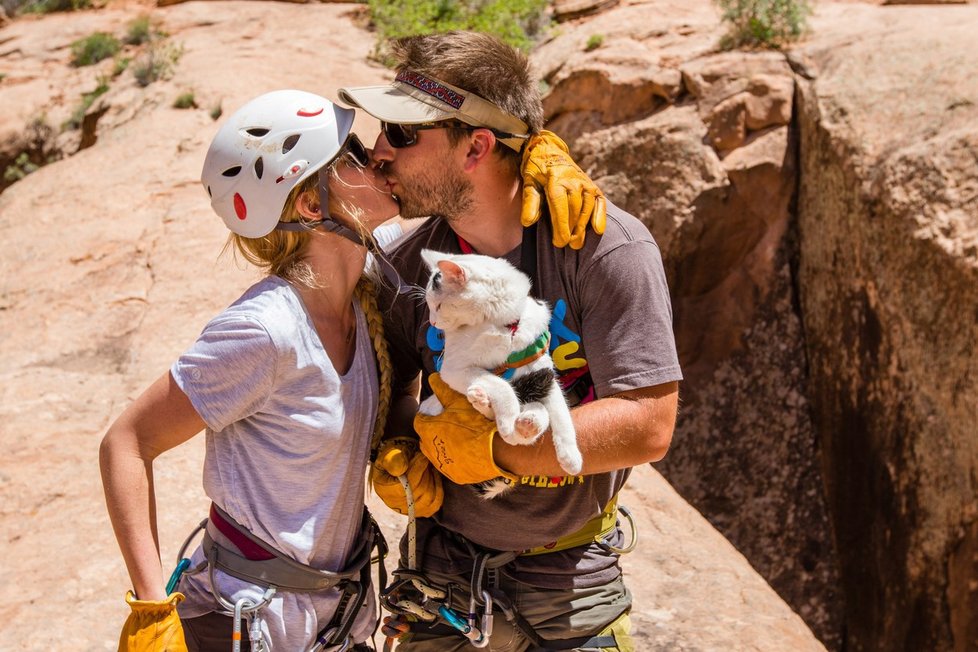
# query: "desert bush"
(38, 152)
(92, 49)
(49, 6)
(156, 62)
(517, 22)
(120, 65)
(140, 30)
(78, 115)
(594, 42)
(185, 101)
(20, 168)
(763, 23)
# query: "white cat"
(491, 324)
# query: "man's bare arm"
(623, 430)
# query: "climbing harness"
(230, 547)
(412, 594)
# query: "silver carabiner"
(634, 532)
(487, 615)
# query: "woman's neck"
(337, 264)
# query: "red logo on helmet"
(309, 113)
(239, 207)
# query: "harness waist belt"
(237, 552)
(593, 531)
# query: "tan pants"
(554, 613)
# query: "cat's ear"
(452, 273)
(431, 258)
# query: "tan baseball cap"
(413, 98)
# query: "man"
(454, 124)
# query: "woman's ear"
(481, 144)
(307, 205)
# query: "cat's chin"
(491, 488)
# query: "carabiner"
(487, 615)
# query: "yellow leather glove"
(459, 440)
(153, 626)
(573, 197)
(400, 456)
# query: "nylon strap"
(594, 530)
(277, 569)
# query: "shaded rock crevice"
(718, 197)
(887, 266)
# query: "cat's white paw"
(532, 422)
(569, 458)
(431, 407)
(479, 398)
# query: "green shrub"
(48, 6)
(139, 31)
(156, 62)
(763, 23)
(78, 115)
(185, 101)
(92, 49)
(120, 66)
(517, 22)
(594, 42)
(20, 168)
(217, 111)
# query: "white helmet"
(268, 147)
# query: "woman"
(285, 384)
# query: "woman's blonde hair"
(282, 253)
(366, 292)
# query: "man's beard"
(443, 192)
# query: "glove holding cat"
(459, 440)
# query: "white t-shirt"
(288, 442)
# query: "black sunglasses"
(354, 150)
(401, 135)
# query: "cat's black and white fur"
(483, 306)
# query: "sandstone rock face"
(926, 2)
(700, 146)
(888, 215)
(111, 269)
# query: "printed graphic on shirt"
(571, 366)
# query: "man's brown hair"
(478, 63)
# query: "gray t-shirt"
(611, 331)
(287, 443)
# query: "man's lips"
(390, 187)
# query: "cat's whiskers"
(417, 293)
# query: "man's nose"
(382, 151)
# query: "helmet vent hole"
(290, 143)
(257, 132)
(209, 193)
(232, 172)
(259, 167)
